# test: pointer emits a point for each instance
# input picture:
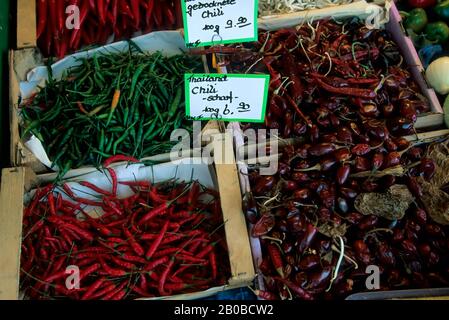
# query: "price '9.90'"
(240, 23)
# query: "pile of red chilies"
(99, 20)
(333, 75)
(342, 90)
(161, 241)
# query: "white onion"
(437, 75)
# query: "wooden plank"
(20, 63)
(13, 117)
(431, 120)
(237, 238)
(11, 208)
(26, 23)
(428, 136)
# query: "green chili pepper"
(416, 20)
(175, 103)
(438, 32)
(82, 122)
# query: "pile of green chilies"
(121, 103)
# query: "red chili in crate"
(343, 174)
(276, 259)
(99, 253)
(421, 3)
(118, 18)
(265, 224)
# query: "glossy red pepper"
(421, 3)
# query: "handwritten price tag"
(214, 22)
(227, 97)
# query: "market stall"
(335, 95)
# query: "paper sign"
(214, 22)
(227, 97)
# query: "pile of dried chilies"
(99, 21)
(343, 91)
(333, 75)
(164, 240)
(124, 103)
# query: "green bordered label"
(215, 22)
(227, 97)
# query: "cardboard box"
(222, 176)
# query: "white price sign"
(227, 97)
(214, 22)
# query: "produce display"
(317, 227)
(101, 20)
(269, 7)
(164, 240)
(358, 183)
(119, 103)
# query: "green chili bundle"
(120, 103)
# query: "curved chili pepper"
(356, 92)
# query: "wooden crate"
(18, 181)
(21, 62)
(26, 24)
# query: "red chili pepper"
(189, 258)
(421, 3)
(155, 245)
(119, 158)
(298, 111)
(356, 92)
(107, 289)
(213, 264)
(42, 16)
(276, 258)
(135, 8)
(163, 278)
(169, 14)
(112, 271)
(83, 233)
(289, 66)
(88, 271)
(343, 174)
(169, 251)
(141, 292)
(94, 188)
(300, 292)
(114, 179)
(265, 295)
(125, 9)
(134, 245)
(158, 211)
(94, 287)
(123, 264)
(60, 11)
(116, 293)
(158, 16)
(101, 12)
(178, 14)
